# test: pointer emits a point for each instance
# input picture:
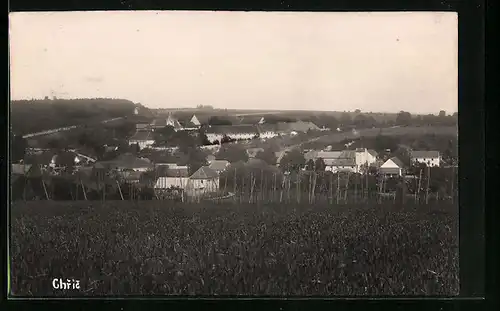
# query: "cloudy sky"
(261, 60)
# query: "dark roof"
(142, 135)
(173, 172)
(372, 152)
(397, 162)
(301, 126)
(159, 123)
(204, 172)
(126, 160)
(219, 165)
(425, 154)
(343, 162)
(232, 129)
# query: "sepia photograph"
(238, 154)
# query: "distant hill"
(29, 116)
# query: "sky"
(328, 61)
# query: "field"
(153, 248)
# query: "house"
(219, 165)
(430, 158)
(136, 110)
(335, 161)
(204, 180)
(194, 120)
(142, 138)
(217, 132)
(365, 157)
(172, 177)
(169, 121)
(128, 162)
(142, 126)
(267, 130)
(252, 152)
(392, 167)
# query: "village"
(191, 159)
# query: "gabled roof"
(126, 160)
(219, 165)
(372, 152)
(142, 135)
(232, 129)
(396, 161)
(424, 154)
(328, 154)
(204, 172)
(173, 172)
(194, 120)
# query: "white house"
(365, 156)
(204, 180)
(267, 131)
(392, 167)
(136, 111)
(217, 132)
(430, 158)
(336, 161)
(177, 177)
(194, 120)
(142, 138)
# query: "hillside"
(29, 116)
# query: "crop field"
(394, 131)
(153, 247)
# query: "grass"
(154, 247)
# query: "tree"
(403, 118)
(18, 147)
(292, 160)
(357, 111)
(196, 158)
(310, 165)
(442, 114)
(320, 165)
(385, 142)
(226, 139)
(267, 156)
(345, 119)
(166, 132)
(232, 153)
(218, 121)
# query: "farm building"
(219, 165)
(194, 121)
(142, 126)
(129, 162)
(217, 132)
(430, 158)
(142, 138)
(204, 180)
(365, 156)
(392, 167)
(267, 130)
(171, 178)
